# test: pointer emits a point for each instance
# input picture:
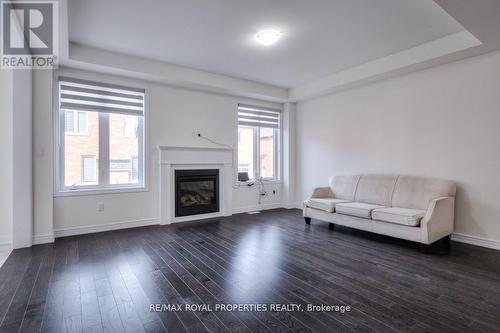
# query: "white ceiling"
(321, 37)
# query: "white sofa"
(418, 209)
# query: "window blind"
(78, 94)
(257, 116)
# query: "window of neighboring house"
(259, 141)
(111, 154)
(89, 169)
(130, 126)
(124, 171)
(76, 122)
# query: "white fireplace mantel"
(174, 158)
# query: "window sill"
(83, 192)
(266, 182)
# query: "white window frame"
(256, 154)
(103, 185)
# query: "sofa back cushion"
(376, 189)
(417, 192)
(344, 187)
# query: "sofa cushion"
(359, 209)
(376, 189)
(326, 204)
(404, 216)
(344, 187)
(417, 192)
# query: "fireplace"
(196, 191)
(219, 163)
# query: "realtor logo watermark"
(29, 34)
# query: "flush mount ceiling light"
(268, 37)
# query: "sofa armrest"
(322, 192)
(438, 221)
(318, 192)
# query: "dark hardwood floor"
(106, 282)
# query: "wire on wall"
(259, 181)
(201, 136)
(214, 142)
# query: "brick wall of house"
(80, 145)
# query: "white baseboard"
(89, 229)
(292, 205)
(458, 237)
(257, 207)
(3, 257)
(5, 249)
(43, 239)
(475, 240)
(80, 230)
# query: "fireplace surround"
(173, 159)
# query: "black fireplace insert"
(196, 192)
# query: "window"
(258, 141)
(76, 122)
(89, 169)
(100, 136)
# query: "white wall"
(42, 157)
(173, 114)
(16, 218)
(15, 152)
(442, 122)
(6, 190)
(289, 179)
(22, 159)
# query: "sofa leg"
(331, 226)
(424, 248)
(307, 219)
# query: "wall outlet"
(100, 207)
